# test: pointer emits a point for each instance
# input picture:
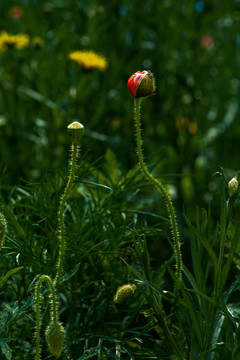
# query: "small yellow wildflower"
(89, 60)
(18, 41)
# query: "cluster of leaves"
(99, 217)
(116, 227)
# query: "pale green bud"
(55, 335)
(123, 293)
(75, 130)
(233, 186)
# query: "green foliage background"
(42, 91)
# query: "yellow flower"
(89, 60)
(18, 41)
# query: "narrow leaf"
(5, 348)
(5, 277)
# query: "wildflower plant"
(8, 41)
(193, 302)
(76, 132)
(141, 84)
(89, 60)
(99, 242)
(55, 332)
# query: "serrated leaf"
(5, 277)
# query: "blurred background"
(190, 126)
(68, 60)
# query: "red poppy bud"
(141, 84)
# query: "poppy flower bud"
(141, 84)
(75, 130)
(123, 293)
(55, 338)
(232, 186)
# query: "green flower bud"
(75, 130)
(233, 186)
(55, 335)
(123, 293)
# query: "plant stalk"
(54, 313)
(67, 191)
(164, 191)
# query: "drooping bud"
(75, 130)
(3, 229)
(141, 84)
(123, 293)
(233, 186)
(55, 335)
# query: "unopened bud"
(75, 130)
(123, 293)
(233, 186)
(141, 84)
(55, 335)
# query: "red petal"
(132, 85)
(134, 81)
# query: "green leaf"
(70, 274)
(205, 243)
(112, 166)
(230, 230)
(204, 296)
(232, 251)
(37, 96)
(96, 184)
(5, 277)
(5, 348)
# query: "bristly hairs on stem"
(163, 190)
(75, 130)
(54, 310)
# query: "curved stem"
(62, 242)
(163, 190)
(54, 313)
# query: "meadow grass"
(117, 230)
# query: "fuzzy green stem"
(62, 242)
(54, 312)
(163, 190)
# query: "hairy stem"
(67, 191)
(163, 190)
(54, 313)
